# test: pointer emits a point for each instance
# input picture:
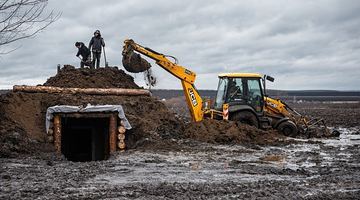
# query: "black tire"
(335, 133)
(246, 117)
(288, 128)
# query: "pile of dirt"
(25, 112)
(12, 139)
(108, 77)
(22, 123)
(229, 132)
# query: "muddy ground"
(335, 113)
(170, 160)
(188, 169)
(309, 169)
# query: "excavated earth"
(22, 125)
(109, 77)
(172, 160)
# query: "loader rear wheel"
(288, 128)
(246, 117)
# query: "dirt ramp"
(229, 132)
(108, 77)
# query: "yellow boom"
(187, 77)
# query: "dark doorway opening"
(85, 139)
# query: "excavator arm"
(187, 77)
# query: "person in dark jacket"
(85, 54)
(96, 44)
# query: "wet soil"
(25, 114)
(310, 169)
(190, 169)
(336, 114)
(154, 125)
(170, 159)
(133, 62)
(22, 120)
(108, 77)
(229, 132)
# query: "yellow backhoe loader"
(240, 96)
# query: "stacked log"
(50, 134)
(116, 140)
(121, 137)
(57, 133)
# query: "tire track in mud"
(198, 170)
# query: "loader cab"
(242, 90)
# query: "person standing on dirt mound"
(85, 53)
(96, 43)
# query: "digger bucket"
(318, 128)
(133, 62)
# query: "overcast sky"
(303, 44)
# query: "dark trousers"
(96, 57)
(86, 62)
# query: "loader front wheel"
(246, 117)
(288, 128)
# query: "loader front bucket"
(133, 62)
(318, 128)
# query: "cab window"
(255, 94)
(235, 90)
(221, 93)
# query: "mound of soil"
(229, 132)
(12, 139)
(108, 77)
(149, 118)
(22, 122)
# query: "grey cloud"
(304, 44)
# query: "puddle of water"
(214, 165)
(186, 176)
(343, 140)
(348, 131)
(317, 156)
(17, 165)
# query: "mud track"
(310, 169)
